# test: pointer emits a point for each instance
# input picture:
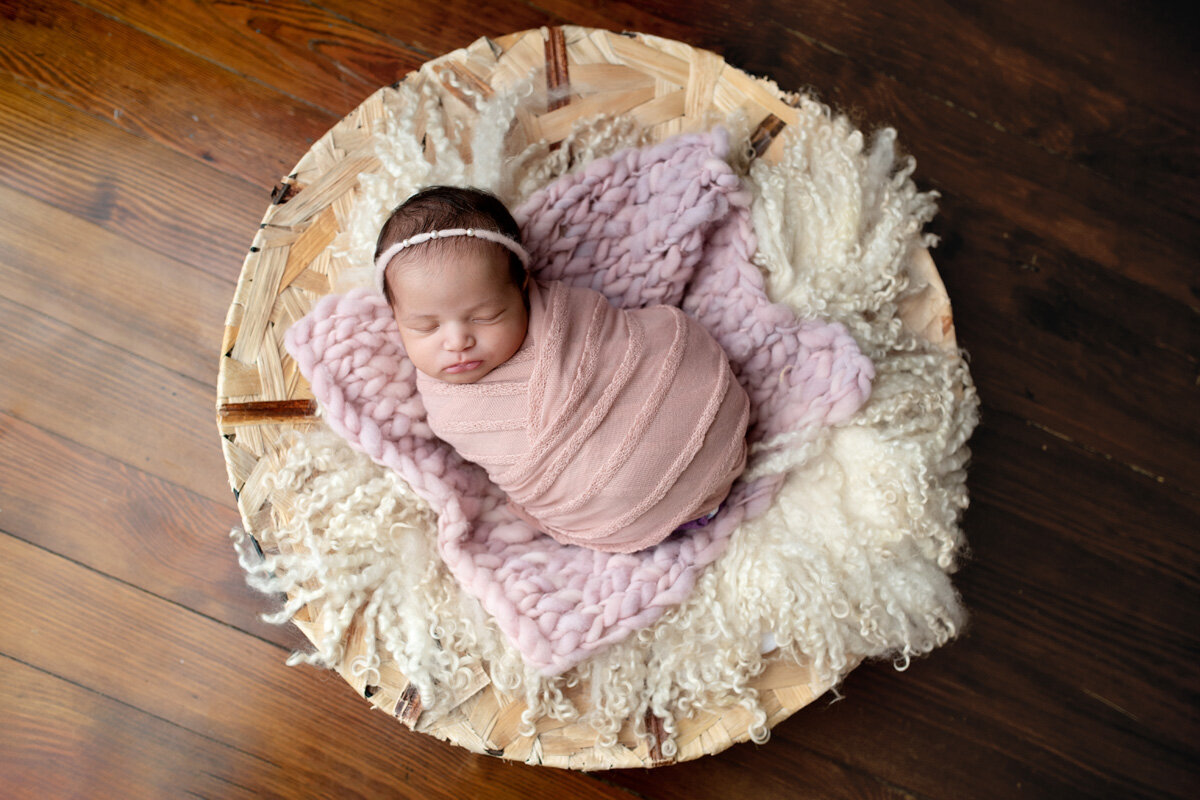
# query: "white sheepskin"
(851, 562)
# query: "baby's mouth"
(462, 366)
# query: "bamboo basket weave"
(668, 87)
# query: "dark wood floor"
(138, 147)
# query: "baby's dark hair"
(442, 207)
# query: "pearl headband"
(491, 236)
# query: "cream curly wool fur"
(852, 561)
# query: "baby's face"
(460, 315)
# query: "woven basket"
(668, 88)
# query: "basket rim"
(259, 393)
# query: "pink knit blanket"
(665, 224)
(609, 428)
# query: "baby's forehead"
(466, 269)
(433, 278)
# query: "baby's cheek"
(516, 338)
(418, 353)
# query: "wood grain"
(1004, 176)
(263, 411)
(295, 47)
(127, 185)
(1035, 201)
(449, 26)
(100, 747)
(119, 293)
(1101, 359)
(153, 90)
(1125, 518)
(129, 525)
(110, 401)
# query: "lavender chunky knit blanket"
(665, 224)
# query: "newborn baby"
(606, 428)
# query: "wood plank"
(1152, 467)
(110, 401)
(1088, 647)
(1092, 355)
(61, 740)
(1009, 204)
(1050, 74)
(111, 289)
(785, 767)
(1046, 198)
(1134, 690)
(438, 29)
(103, 67)
(886, 725)
(299, 48)
(127, 184)
(1127, 609)
(1082, 654)
(208, 673)
(1090, 640)
(212, 681)
(996, 724)
(1119, 516)
(129, 525)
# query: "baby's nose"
(459, 339)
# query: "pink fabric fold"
(665, 224)
(609, 429)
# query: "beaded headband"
(491, 236)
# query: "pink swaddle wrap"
(609, 428)
(664, 224)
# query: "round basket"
(668, 88)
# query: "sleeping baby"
(607, 428)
